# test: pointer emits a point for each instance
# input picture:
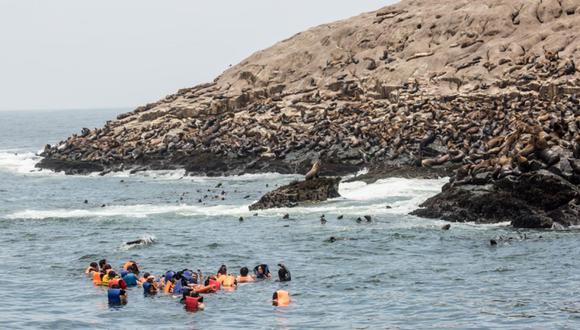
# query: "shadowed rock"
(532, 200)
(309, 191)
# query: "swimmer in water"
(193, 301)
(244, 277)
(117, 296)
(116, 281)
(130, 278)
(222, 271)
(149, 286)
(102, 263)
(144, 278)
(281, 298)
(262, 272)
(93, 267)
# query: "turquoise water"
(399, 271)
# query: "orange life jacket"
(96, 278)
(168, 288)
(283, 298)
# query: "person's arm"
(201, 306)
(123, 297)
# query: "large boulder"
(316, 190)
(532, 200)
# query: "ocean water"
(399, 272)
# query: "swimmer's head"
(244, 271)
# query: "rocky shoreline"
(454, 88)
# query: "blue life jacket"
(168, 276)
(147, 287)
(177, 288)
(188, 276)
(130, 279)
(265, 268)
(114, 296)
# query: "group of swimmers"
(187, 284)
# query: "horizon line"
(69, 109)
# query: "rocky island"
(484, 90)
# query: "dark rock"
(532, 200)
(315, 190)
(70, 167)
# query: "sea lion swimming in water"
(141, 241)
(313, 173)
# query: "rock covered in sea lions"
(384, 90)
(357, 94)
(300, 192)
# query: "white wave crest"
(361, 191)
(129, 211)
(358, 198)
(21, 162)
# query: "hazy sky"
(65, 54)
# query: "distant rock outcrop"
(300, 192)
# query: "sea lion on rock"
(313, 173)
(434, 161)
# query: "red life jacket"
(215, 284)
(191, 303)
(118, 282)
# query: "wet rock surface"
(532, 200)
(299, 193)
